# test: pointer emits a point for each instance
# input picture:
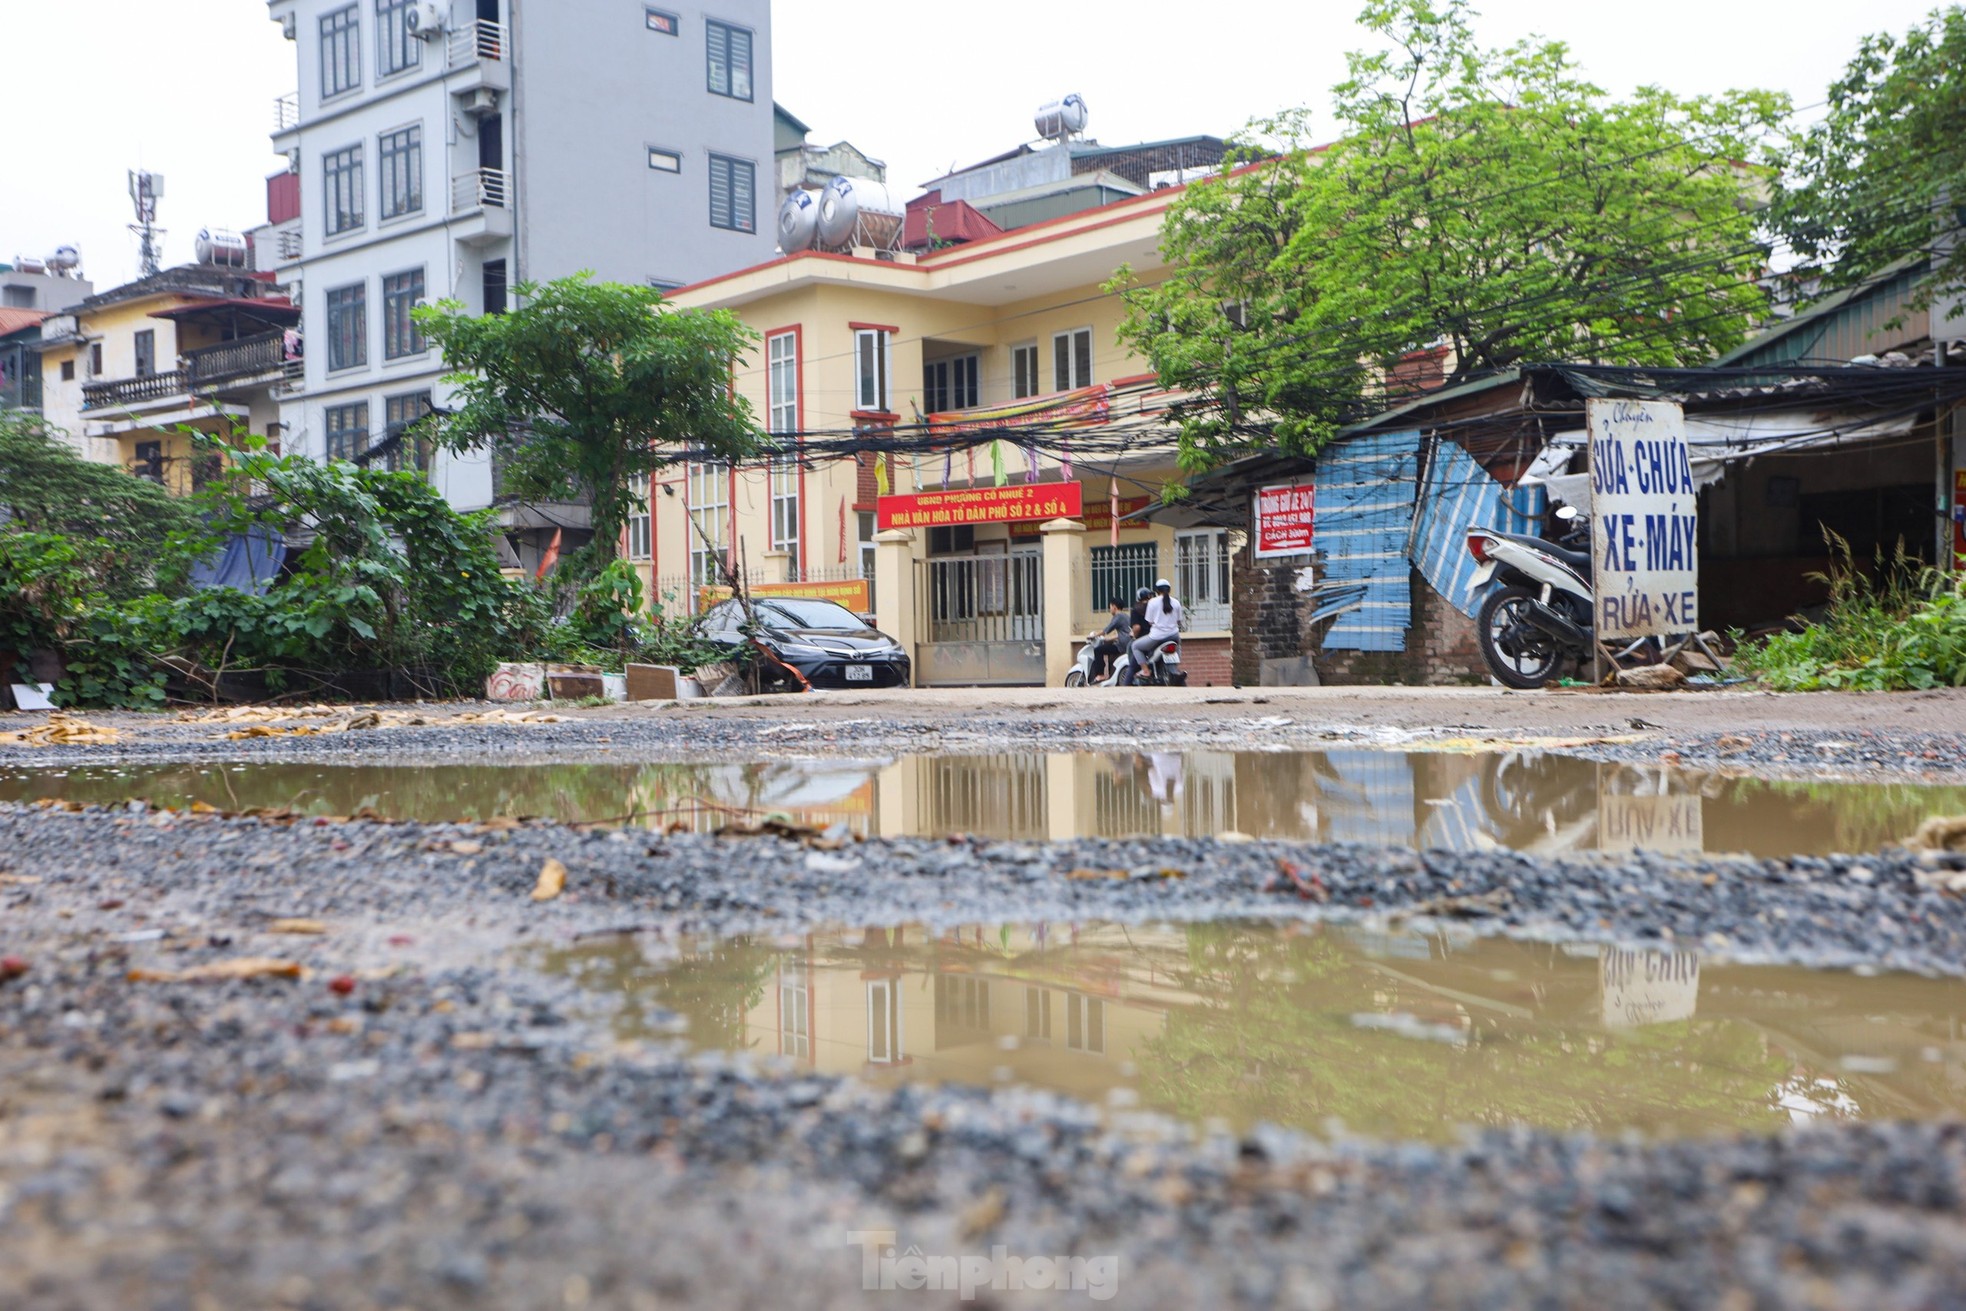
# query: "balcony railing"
(248, 356)
(477, 40)
(286, 112)
(131, 391)
(481, 188)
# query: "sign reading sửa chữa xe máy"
(1644, 520)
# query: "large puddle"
(1530, 801)
(1324, 1029)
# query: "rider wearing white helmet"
(1164, 618)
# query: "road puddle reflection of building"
(1524, 800)
(1386, 1034)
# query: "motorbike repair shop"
(1787, 455)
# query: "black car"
(826, 642)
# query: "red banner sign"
(1097, 517)
(1007, 504)
(1285, 516)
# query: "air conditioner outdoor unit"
(425, 20)
(480, 102)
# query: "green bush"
(1908, 631)
(132, 531)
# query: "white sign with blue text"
(1644, 520)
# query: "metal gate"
(985, 620)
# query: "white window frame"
(1067, 373)
(401, 338)
(794, 1018)
(1024, 375)
(725, 39)
(782, 419)
(341, 51)
(731, 170)
(399, 160)
(864, 525)
(640, 528)
(1079, 1011)
(408, 454)
(394, 38)
(873, 367)
(1202, 570)
(342, 436)
(945, 378)
(347, 304)
(884, 1039)
(342, 180)
(707, 484)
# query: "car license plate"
(859, 673)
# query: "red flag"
(552, 556)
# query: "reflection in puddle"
(1391, 1035)
(1529, 801)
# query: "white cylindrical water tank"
(859, 205)
(221, 246)
(1061, 118)
(798, 221)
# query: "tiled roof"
(13, 320)
(953, 222)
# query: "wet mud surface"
(1657, 1076)
(438, 1112)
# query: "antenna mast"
(146, 189)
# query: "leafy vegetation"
(382, 576)
(1906, 631)
(117, 522)
(585, 388)
(1882, 177)
(1485, 207)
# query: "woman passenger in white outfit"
(1164, 620)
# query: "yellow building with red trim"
(130, 374)
(973, 347)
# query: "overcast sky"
(186, 87)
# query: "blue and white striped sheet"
(1458, 494)
(1365, 491)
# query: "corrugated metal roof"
(1845, 325)
(13, 320)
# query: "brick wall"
(1206, 661)
(1267, 614)
(1270, 622)
(1440, 649)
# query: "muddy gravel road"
(269, 1062)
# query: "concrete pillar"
(894, 590)
(1061, 794)
(898, 799)
(1067, 596)
(778, 566)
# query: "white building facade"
(453, 150)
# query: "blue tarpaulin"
(1364, 510)
(249, 561)
(1459, 494)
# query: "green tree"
(123, 524)
(586, 385)
(1493, 203)
(1882, 178)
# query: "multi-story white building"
(451, 150)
